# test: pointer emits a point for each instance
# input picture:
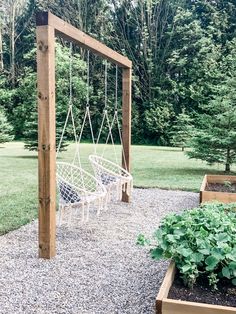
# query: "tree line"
(183, 54)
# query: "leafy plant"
(227, 184)
(201, 242)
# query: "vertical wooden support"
(46, 140)
(126, 122)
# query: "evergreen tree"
(5, 129)
(182, 131)
(215, 140)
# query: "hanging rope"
(77, 188)
(87, 113)
(70, 104)
(88, 77)
(115, 119)
(116, 89)
(106, 118)
(115, 178)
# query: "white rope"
(110, 135)
(91, 129)
(105, 84)
(116, 89)
(121, 140)
(77, 188)
(63, 131)
(77, 152)
(69, 104)
(106, 118)
(88, 77)
(87, 115)
(100, 130)
(70, 73)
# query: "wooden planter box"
(170, 306)
(224, 197)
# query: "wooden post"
(126, 122)
(46, 140)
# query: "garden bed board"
(165, 305)
(209, 196)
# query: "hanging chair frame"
(48, 26)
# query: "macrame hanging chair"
(111, 175)
(77, 188)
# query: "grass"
(152, 166)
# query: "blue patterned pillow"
(68, 193)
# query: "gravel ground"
(98, 268)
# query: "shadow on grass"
(19, 157)
(158, 149)
(184, 171)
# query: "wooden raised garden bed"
(228, 183)
(165, 305)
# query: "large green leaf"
(211, 262)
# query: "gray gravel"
(98, 268)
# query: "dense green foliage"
(181, 52)
(5, 128)
(215, 140)
(28, 84)
(201, 242)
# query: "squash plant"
(201, 241)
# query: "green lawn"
(152, 166)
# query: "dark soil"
(202, 293)
(219, 187)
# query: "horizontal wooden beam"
(69, 32)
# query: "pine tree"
(5, 129)
(215, 140)
(181, 131)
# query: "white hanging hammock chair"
(77, 188)
(111, 175)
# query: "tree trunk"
(1, 50)
(13, 45)
(182, 149)
(227, 167)
(227, 164)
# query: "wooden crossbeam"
(67, 31)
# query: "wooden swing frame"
(48, 26)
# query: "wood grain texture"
(71, 33)
(209, 196)
(126, 123)
(46, 140)
(165, 287)
(170, 306)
